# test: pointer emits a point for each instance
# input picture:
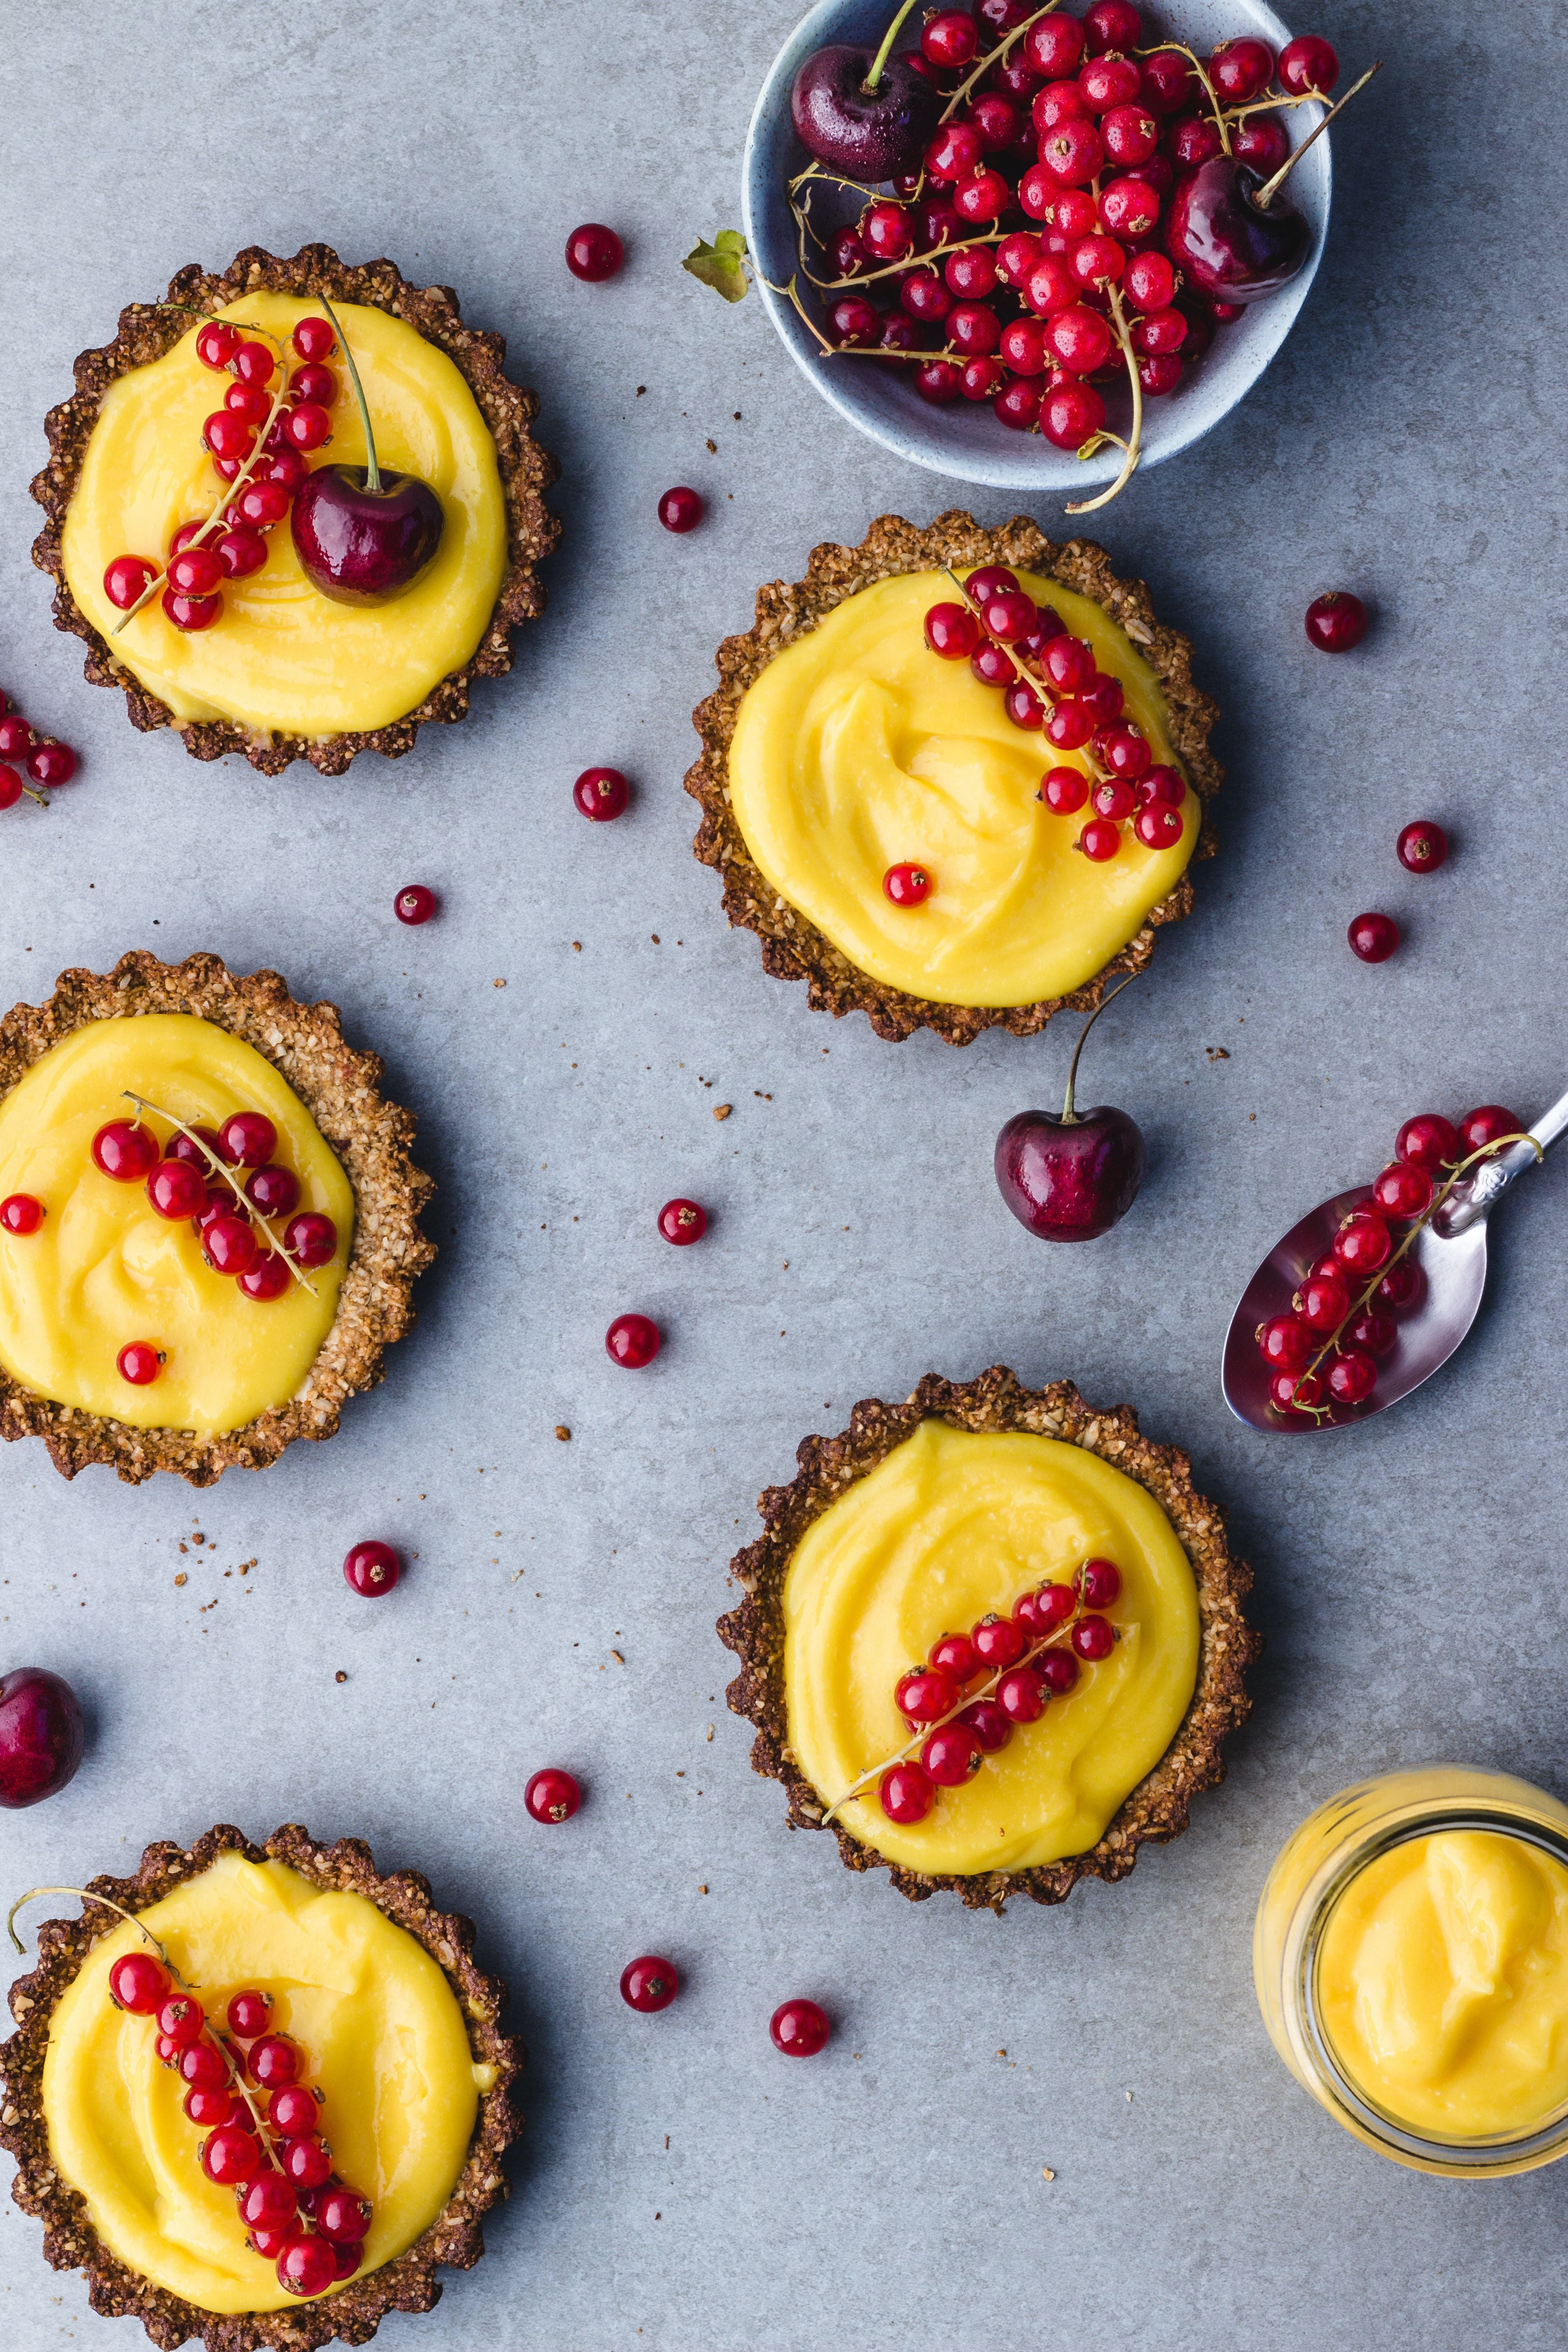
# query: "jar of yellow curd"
(1411, 1962)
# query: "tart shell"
(352, 2313)
(340, 1086)
(1157, 1808)
(147, 330)
(792, 947)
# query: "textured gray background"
(1409, 443)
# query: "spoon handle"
(1494, 1177)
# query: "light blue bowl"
(966, 440)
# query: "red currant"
(1363, 1244)
(139, 1364)
(1429, 1141)
(317, 385)
(649, 1984)
(231, 2156)
(552, 1796)
(1372, 1332)
(262, 503)
(371, 1568)
(307, 2161)
(1169, 82)
(1071, 415)
(274, 2061)
(1295, 1391)
(16, 738)
(924, 1694)
(632, 1341)
(601, 795)
(293, 2110)
(415, 904)
(1285, 1344)
(1262, 144)
(306, 2266)
(999, 1642)
(1373, 937)
(907, 885)
(1129, 208)
(1018, 404)
(952, 631)
(682, 1222)
(1041, 1612)
(247, 2014)
(1422, 846)
(854, 322)
(191, 614)
(974, 330)
(1131, 134)
(139, 1983)
(230, 1244)
(1017, 257)
(315, 339)
(1308, 63)
(1489, 1125)
(211, 2108)
(311, 1238)
(887, 232)
(982, 199)
(1057, 1670)
(1239, 69)
(245, 400)
(308, 427)
(1336, 622)
(286, 467)
(681, 510)
(1158, 827)
(1398, 1285)
(254, 363)
(1108, 82)
(905, 1792)
(240, 552)
(1193, 140)
(1073, 154)
(216, 343)
(182, 2019)
(800, 2029)
(951, 1755)
(266, 1277)
(229, 436)
(1100, 840)
(1020, 1695)
(267, 2201)
(971, 274)
(10, 788)
(950, 39)
(126, 580)
(939, 381)
(1402, 1190)
(1065, 790)
(1023, 706)
(594, 253)
(21, 1215)
(176, 1190)
(1352, 1375)
(989, 1725)
(953, 154)
(1093, 1638)
(1111, 798)
(1099, 1583)
(1151, 281)
(1323, 1301)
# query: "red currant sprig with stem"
(1458, 1170)
(221, 1169)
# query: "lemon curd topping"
(857, 749)
(950, 1526)
(104, 1268)
(1442, 1984)
(282, 656)
(385, 2040)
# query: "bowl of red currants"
(1033, 247)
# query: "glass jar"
(1310, 1874)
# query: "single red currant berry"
(1323, 1301)
(973, 329)
(274, 1191)
(231, 2156)
(681, 510)
(1422, 846)
(798, 2028)
(1023, 349)
(1295, 1391)
(1023, 706)
(953, 154)
(954, 1655)
(21, 1215)
(1151, 281)
(1362, 1243)
(286, 467)
(126, 580)
(1098, 1582)
(1159, 332)
(1129, 208)
(971, 274)
(266, 1277)
(307, 2161)
(601, 793)
(293, 2110)
(1053, 1604)
(139, 1983)
(952, 631)
(216, 343)
(1009, 614)
(1018, 404)
(1054, 46)
(139, 1364)
(632, 1341)
(1373, 937)
(1428, 1141)
(1051, 286)
(191, 614)
(189, 1147)
(1193, 140)
(552, 1795)
(982, 200)
(314, 338)
(1398, 1285)
(594, 253)
(1478, 1129)
(262, 503)
(1169, 83)
(1058, 1670)
(1161, 784)
(125, 1151)
(990, 580)
(311, 1238)
(211, 2108)
(274, 2061)
(939, 381)
(1308, 63)
(1071, 414)
(1352, 1375)
(247, 2014)
(1100, 840)
(999, 1642)
(318, 384)
(240, 552)
(167, 2051)
(1239, 69)
(176, 1190)
(371, 1568)
(1159, 827)
(254, 363)
(649, 1984)
(990, 1726)
(924, 1694)
(951, 1755)
(854, 322)
(1262, 144)
(267, 2201)
(887, 231)
(230, 1244)
(993, 665)
(683, 1223)
(346, 2261)
(306, 2266)
(907, 885)
(229, 436)
(1113, 799)
(415, 904)
(1131, 134)
(182, 2019)
(1064, 791)
(1073, 154)
(1020, 1695)
(1093, 1638)
(247, 401)
(905, 1792)
(1285, 1344)
(1372, 1332)
(1336, 621)
(10, 788)
(950, 39)
(1401, 1191)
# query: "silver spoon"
(1451, 1252)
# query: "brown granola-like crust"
(1157, 1808)
(147, 330)
(339, 1087)
(792, 947)
(352, 2315)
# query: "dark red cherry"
(869, 134)
(364, 546)
(1225, 242)
(41, 1736)
(1069, 1182)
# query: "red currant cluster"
(48, 763)
(1037, 212)
(1020, 1664)
(296, 2212)
(258, 442)
(1324, 1352)
(1049, 682)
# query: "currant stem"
(1069, 1115)
(372, 471)
(1265, 195)
(86, 1895)
(888, 38)
(223, 1169)
(995, 56)
(1201, 70)
(1133, 447)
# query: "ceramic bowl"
(966, 440)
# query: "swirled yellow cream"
(1442, 1984)
(105, 1268)
(950, 1526)
(857, 749)
(282, 656)
(386, 2045)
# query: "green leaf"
(719, 264)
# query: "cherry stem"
(222, 1167)
(86, 1895)
(877, 63)
(1266, 193)
(1069, 1115)
(995, 56)
(372, 471)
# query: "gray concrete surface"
(680, 2187)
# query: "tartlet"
(348, 2313)
(836, 1613)
(319, 1088)
(147, 333)
(794, 946)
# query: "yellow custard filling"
(385, 2040)
(857, 749)
(1443, 1984)
(104, 1268)
(951, 1525)
(282, 656)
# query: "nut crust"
(339, 1087)
(1157, 1808)
(147, 330)
(351, 2315)
(792, 947)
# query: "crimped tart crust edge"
(352, 2313)
(1158, 1809)
(147, 330)
(792, 947)
(340, 1086)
